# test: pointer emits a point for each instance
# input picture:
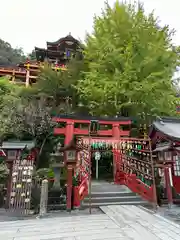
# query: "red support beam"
(77, 131)
(58, 131)
(57, 119)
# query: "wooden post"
(13, 76)
(27, 76)
(168, 187)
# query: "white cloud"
(31, 23)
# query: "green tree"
(24, 114)
(56, 88)
(9, 55)
(76, 70)
(33, 115)
(9, 100)
(131, 64)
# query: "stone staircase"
(104, 194)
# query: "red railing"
(83, 170)
(129, 167)
(137, 186)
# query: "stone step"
(110, 194)
(113, 198)
(110, 199)
(97, 205)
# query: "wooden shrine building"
(60, 51)
(57, 54)
(165, 135)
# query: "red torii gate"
(70, 128)
(129, 171)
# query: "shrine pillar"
(69, 187)
(168, 182)
(68, 137)
(116, 156)
(69, 132)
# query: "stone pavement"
(172, 213)
(119, 222)
(138, 224)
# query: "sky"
(31, 23)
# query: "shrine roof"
(18, 144)
(87, 117)
(168, 126)
(162, 147)
(40, 49)
(67, 38)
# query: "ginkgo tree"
(131, 64)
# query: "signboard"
(71, 155)
(21, 186)
(94, 127)
(97, 156)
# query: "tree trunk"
(40, 150)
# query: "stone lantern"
(58, 166)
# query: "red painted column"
(69, 131)
(69, 135)
(69, 187)
(168, 186)
(115, 135)
(116, 131)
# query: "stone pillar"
(44, 198)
